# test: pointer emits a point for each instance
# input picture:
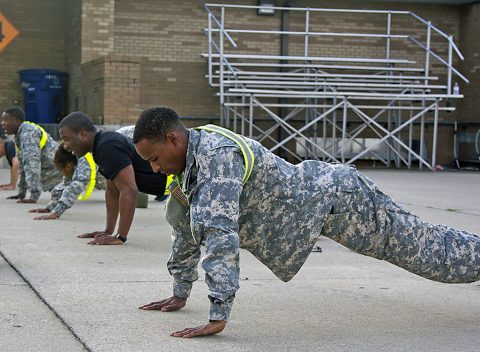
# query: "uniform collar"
(193, 140)
(20, 128)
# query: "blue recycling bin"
(44, 94)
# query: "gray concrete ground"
(340, 301)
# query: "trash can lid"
(41, 71)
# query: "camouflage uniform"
(66, 193)
(127, 131)
(36, 167)
(281, 211)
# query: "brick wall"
(165, 34)
(40, 44)
(469, 108)
(73, 52)
(124, 55)
(98, 18)
(122, 90)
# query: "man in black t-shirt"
(126, 173)
(7, 149)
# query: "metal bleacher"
(348, 105)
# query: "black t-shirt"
(113, 152)
(10, 151)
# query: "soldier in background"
(127, 131)
(80, 178)
(35, 150)
(126, 173)
(232, 193)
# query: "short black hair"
(78, 121)
(16, 112)
(63, 157)
(154, 123)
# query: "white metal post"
(410, 140)
(243, 115)
(334, 131)
(221, 57)
(344, 129)
(250, 126)
(389, 25)
(449, 77)
(307, 26)
(427, 52)
(435, 131)
(422, 135)
(210, 69)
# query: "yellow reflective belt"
(93, 177)
(44, 138)
(242, 144)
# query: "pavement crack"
(37, 293)
(450, 210)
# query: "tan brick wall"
(469, 108)
(164, 31)
(40, 44)
(92, 92)
(98, 18)
(73, 51)
(122, 90)
(123, 55)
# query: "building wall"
(469, 109)
(73, 52)
(40, 44)
(126, 55)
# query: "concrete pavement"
(340, 301)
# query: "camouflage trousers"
(369, 222)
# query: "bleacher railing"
(333, 107)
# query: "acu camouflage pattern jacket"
(36, 168)
(277, 215)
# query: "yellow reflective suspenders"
(239, 141)
(93, 177)
(242, 144)
(44, 138)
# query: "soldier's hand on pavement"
(105, 240)
(169, 304)
(212, 328)
(16, 196)
(93, 234)
(51, 216)
(40, 210)
(26, 201)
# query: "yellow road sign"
(7, 32)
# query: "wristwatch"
(121, 238)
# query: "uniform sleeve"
(183, 261)
(111, 166)
(215, 212)
(56, 195)
(30, 148)
(72, 190)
